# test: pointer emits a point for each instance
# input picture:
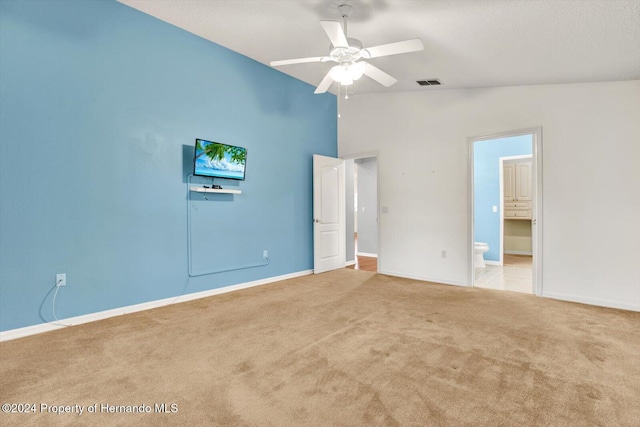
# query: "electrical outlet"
(444, 254)
(61, 279)
(265, 254)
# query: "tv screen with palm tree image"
(217, 160)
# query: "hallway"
(365, 263)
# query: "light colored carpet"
(344, 348)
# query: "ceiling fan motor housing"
(348, 54)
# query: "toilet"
(479, 248)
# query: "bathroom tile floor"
(515, 275)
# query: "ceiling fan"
(349, 52)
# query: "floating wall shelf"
(214, 190)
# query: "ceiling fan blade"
(298, 61)
(335, 32)
(324, 84)
(378, 75)
(396, 48)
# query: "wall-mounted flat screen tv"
(217, 160)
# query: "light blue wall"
(486, 179)
(100, 106)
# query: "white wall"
(349, 167)
(367, 206)
(591, 180)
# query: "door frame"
(537, 218)
(366, 155)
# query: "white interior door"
(329, 252)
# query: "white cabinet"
(517, 189)
(509, 182)
(523, 181)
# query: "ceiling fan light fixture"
(338, 72)
(357, 70)
(346, 81)
(341, 74)
(346, 74)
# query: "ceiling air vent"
(432, 82)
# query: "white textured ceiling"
(468, 43)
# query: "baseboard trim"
(350, 263)
(492, 262)
(367, 254)
(591, 301)
(100, 315)
(518, 253)
(422, 278)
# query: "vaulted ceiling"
(468, 43)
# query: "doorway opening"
(362, 212)
(505, 211)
